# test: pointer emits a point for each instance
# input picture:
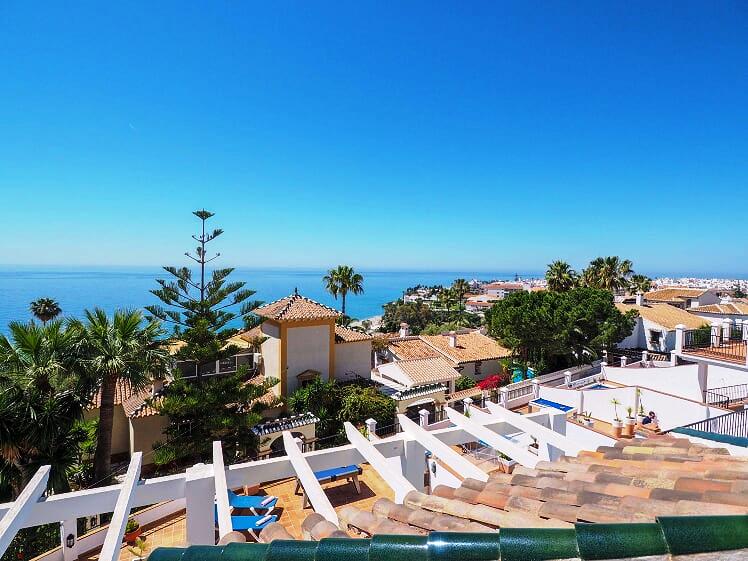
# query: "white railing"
(195, 489)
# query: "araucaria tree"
(342, 280)
(45, 309)
(199, 308)
(123, 348)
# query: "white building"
(654, 329)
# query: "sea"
(80, 288)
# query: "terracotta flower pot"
(617, 428)
(130, 537)
(628, 427)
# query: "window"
(655, 339)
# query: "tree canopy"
(416, 314)
(556, 329)
(342, 280)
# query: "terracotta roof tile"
(665, 315)
(470, 347)
(411, 347)
(659, 476)
(345, 335)
(727, 309)
(674, 294)
(420, 371)
(123, 391)
(296, 308)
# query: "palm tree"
(45, 309)
(43, 393)
(640, 283)
(460, 287)
(342, 280)
(561, 277)
(608, 273)
(121, 348)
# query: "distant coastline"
(78, 288)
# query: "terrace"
(722, 342)
(451, 473)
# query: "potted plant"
(132, 531)
(506, 464)
(640, 415)
(139, 549)
(628, 426)
(587, 419)
(617, 424)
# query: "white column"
(199, 494)
(503, 397)
(716, 333)
(225, 525)
(535, 388)
(567, 378)
(580, 402)
(423, 415)
(726, 328)
(67, 528)
(371, 429)
(680, 334)
(624, 360)
(466, 403)
(673, 358)
(414, 463)
(110, 551)
(645, 356)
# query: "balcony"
(723, 343)
(189, 368)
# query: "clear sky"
(397, 135)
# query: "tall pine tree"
(200, 309)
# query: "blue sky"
(400, 135)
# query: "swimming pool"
(540, 402)
(598, 387)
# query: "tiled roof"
(143, 404)
(410, 347)
(345, 335)
(633, 481)
(674, 294)
(295, 308)
(286, 423)
(123, 391)
(728, 309)
(421, 371)
(470, 347)
(665, 315)
(503, 286)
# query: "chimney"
(639, 299)
(452, 338)
(404, 330)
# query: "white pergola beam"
(222, 491)
(442, 451)
(389, 474)
(308, 480)
(113, 541)
(528, 426)
(14, 518)
(492, 439)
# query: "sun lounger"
(251, 524)
(258, 505)
(349, 473)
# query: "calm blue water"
(111, 288)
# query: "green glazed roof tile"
(614, 541)
(537, 544)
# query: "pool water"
(518, 375)
(599, 387)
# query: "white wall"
(682, 380)
(721, 376)
(307, 348)
(586, 438)
(352, 357)
(271, 353)
(673, 411)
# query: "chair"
(349, 473)
(251, 524)
(256, 504)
